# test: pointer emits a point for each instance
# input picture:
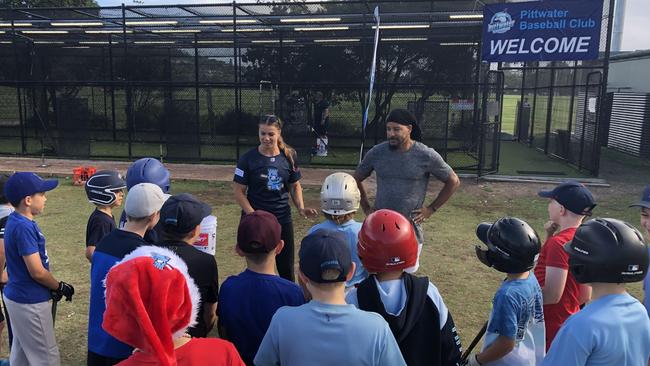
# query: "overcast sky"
(636, 32)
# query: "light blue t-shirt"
(611, 330)
(351, 231)
(323, 334)
(517, 313)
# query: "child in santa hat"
(150, 302)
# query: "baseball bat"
(54, 304)
(478, 337)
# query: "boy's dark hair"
(169, 235)
(258, 258)
(339, 218)
(3, 179)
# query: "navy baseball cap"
(573, 195)
(322, 250)
(23, 184)
(182, 212)
(645, 199)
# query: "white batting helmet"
(339, 194)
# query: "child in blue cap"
(569, 204)
(31, 285)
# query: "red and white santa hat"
(150, 301)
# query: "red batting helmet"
(387, 242)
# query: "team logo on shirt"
(273, 180)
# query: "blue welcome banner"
(542, 31)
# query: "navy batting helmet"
(609, 251)
(102, 187)
(148, 170)
(513, 246)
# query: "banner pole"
(373, 68)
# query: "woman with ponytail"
(265, 177)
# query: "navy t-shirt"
(110, 250)
(22, 238)
(99, 224)
(268, 180)
(247, 303)
(202, 267)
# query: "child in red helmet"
(412, 306)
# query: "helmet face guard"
(512, 245)
(483, 255)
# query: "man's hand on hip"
(419, 215)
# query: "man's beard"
(395, 146)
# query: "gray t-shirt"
(403, 176)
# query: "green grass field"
(448, 255)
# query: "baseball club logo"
(501, 22)
(273, 180)
(394, 261)
(161, 261)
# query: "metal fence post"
(236, 75)
(549, 109)
(603, 89)
(196, 94)
(531, 138)
(112, 84)
(23, 144)
(127, 86)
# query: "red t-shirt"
(553, 255)
(198, 351)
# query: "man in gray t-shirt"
(403, 168)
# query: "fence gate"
(490, 122)
(585, 141)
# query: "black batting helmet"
(101, 187)
(609, 251)
(513, 246)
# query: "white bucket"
(207, 240)
(321, 146)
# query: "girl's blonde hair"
(286, 150)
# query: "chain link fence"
(559, 107)
(190, 82)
